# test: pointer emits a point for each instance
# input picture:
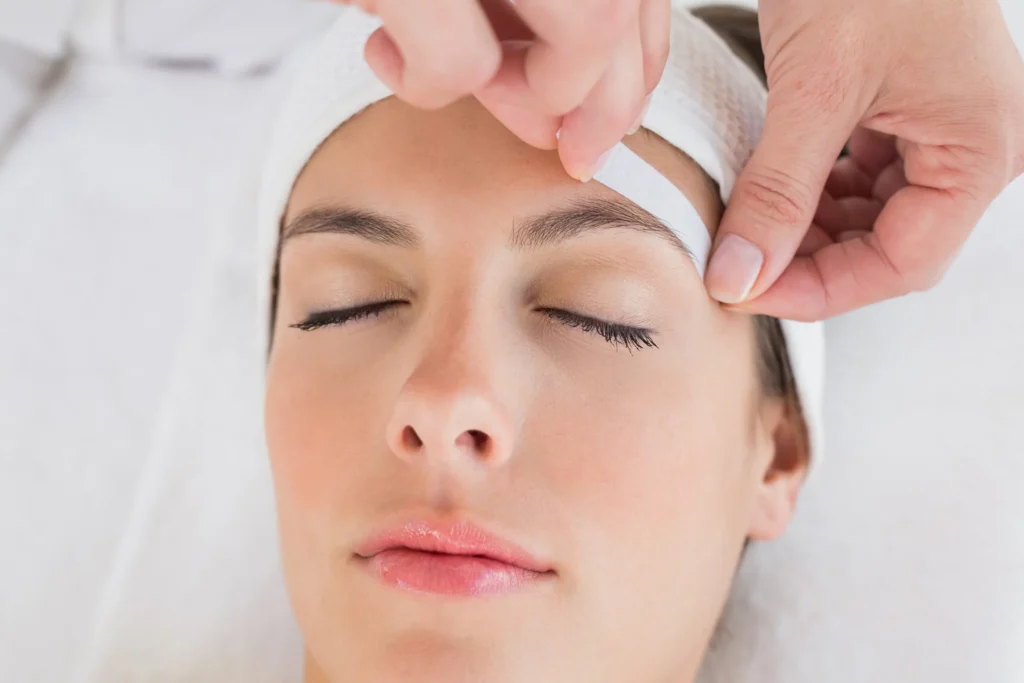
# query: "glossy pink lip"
(453, 558)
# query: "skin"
(637, 474)
(933, 137)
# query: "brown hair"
(738, 27)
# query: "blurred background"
(136, 516)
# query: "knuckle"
(958, 169)
(914, 277)
(778, 197)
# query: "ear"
(781, 466)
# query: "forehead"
(433, 167)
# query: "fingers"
(594, 60)
(931, 205)
(608, 113)
(950, 147)
(617, 104)
(847, 179)
(655, 20)
(433, 51)
(509, 100)
(871, 151)
(506, 22)
(815, 240)
(576, 43)
(891, 180)
(837, 216)
(777, 195)
(915, 239)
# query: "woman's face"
(544, 370)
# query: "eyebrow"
(366, 224)
(560, 225)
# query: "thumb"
(776, 195)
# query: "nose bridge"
(455, 354)
(457, 400)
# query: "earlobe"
(781, 469)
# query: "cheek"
(654, 475)
(653, 463)
(323, 429)
(654, 438)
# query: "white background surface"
(135, 512)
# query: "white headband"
(639, 182)
(709, 105)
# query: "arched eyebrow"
(589, 216)
(369, 225)
(547, 229)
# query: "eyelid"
(630, 336)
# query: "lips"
(454, 558)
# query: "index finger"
(576, 42)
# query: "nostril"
(474, 440)
(479, 440)
(410, 439)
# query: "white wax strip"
(642, 184)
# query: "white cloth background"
(39, 25)
(136, 517)
(23, 76)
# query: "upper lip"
(451, 537)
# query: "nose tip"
(424, 429)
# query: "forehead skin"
(461, 139)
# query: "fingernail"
(733, 270)
(587, 175)
(643, 115)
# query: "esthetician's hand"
(582, 66)
(932, 92)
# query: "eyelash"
(346, 315)
(633, 338)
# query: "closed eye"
(616, 334)
(633, 338)
(341, 316)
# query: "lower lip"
(444, 574)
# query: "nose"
(453, 412)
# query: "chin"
(434, 658)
